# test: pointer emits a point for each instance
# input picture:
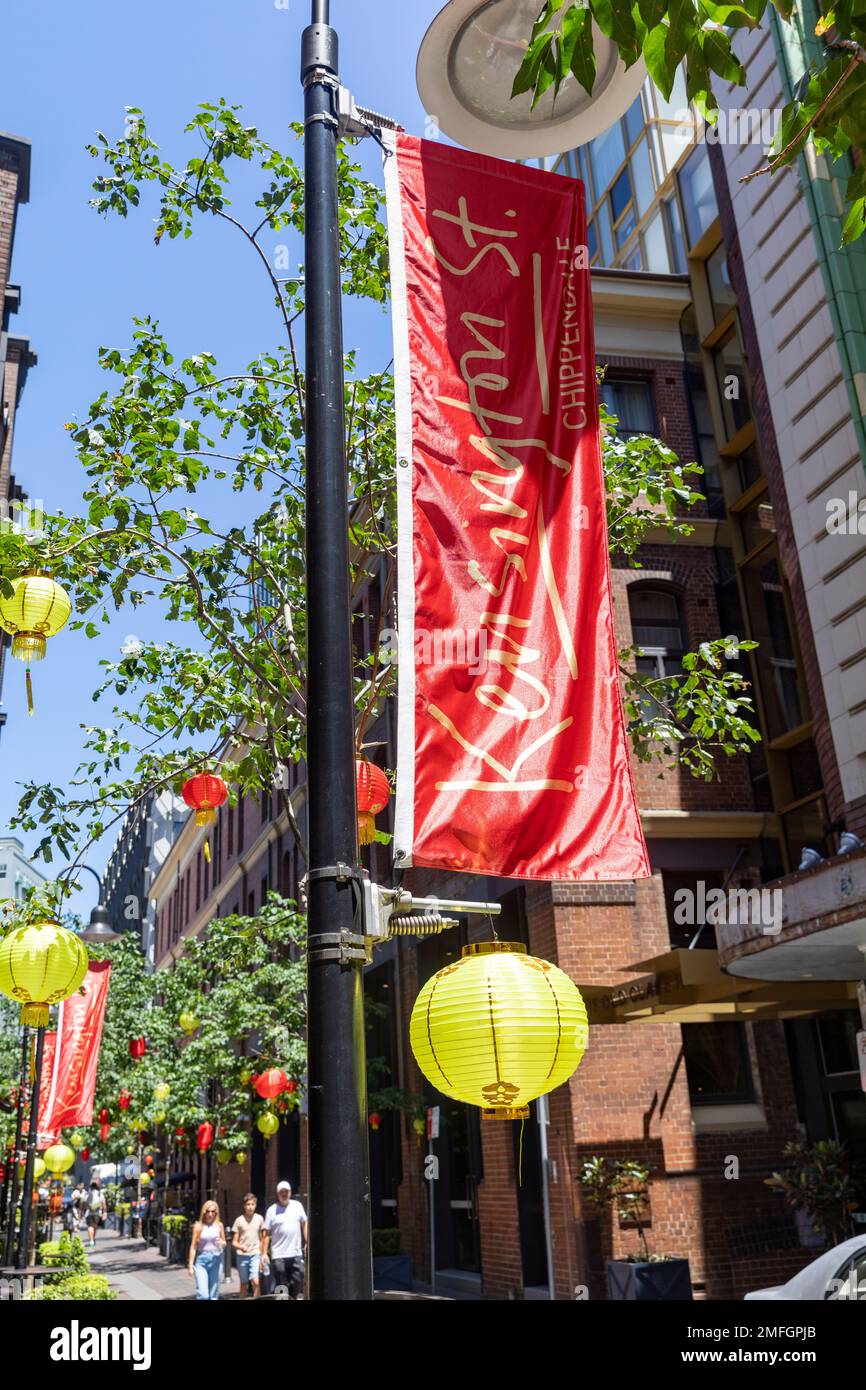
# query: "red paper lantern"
(103, 1116)
(148, 1158)
(271, 1083)
(84, 1154)
(137, 1048)
(142, 1136)
(2, 1172)
(204, 793)
(104, 1131)
(180, 1135)
(375, 1120)
(374, 793)
(204, 1136)
(291, 1087)
(124, 1100)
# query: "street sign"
(433, 1122)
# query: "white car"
(839, 1274)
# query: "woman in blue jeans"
(206, 1252)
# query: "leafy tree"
(830, 105)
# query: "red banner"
(512, 753)
(69, 1100)
(49, 1048)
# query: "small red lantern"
(374, 793)
(142, 1136)
(148, 1158)
(204, 1136)
(104, 1131)
(85, 1155)
(375, 1120)
(291, 1087)
(103, 1116)
(124, 1100)
(271, 1083)
(137, 1048)
(2, 1172)
(180, 1135)
(204, 793)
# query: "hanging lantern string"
(492, 922)
(29, 684)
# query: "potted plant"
(392, 1270)
(623, 1185)
(174, 1242)
(823, 1187)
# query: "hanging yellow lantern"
(38, 1167)
(41, 964)
(188, 1021)
(267, 1124)
(161, 1091)
(241, 1157)
(36, 610)
(58, 1158)
(76, 1140)
(145, 1179)
(160, 1118)
(498, 1028)
(224, 1156)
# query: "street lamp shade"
(466, 66)
(100, 931)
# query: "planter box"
(662, 1282)
(392, 1273)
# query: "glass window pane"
(606, 154)
(625, 229)
(584, 174)
(602, 218)
(642, 177)
(677, 140)
(632, 404)
(678, 250)
(591, 240)
(733, 386)
(721, 290)
(749, 467)
(716, 1063)
(699, 198)
(656, 247)
(634, 121)
(620, 194)
(777, 667)
(634, 260)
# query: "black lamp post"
(100, 931)
(341, 1265)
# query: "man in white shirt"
(284, 1240)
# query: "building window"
(230, 842)
(657, 628)
(698, 194)
(717, 1063)
(632, 404)
(733, 383)
(251, 904)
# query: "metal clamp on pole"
(345, 947)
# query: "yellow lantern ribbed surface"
(58, 1158)
(498, 1028)
(36, 609)
(41, 964)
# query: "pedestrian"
(206, 1252)
(247, 1245)
(78, 1205)
(96, 1209)
(284, 1239)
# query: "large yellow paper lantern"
(36, 609)
(498, 1028)
(58, 1158)
(41, 964)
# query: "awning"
(689, 987)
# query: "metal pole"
(27, 1194)
(543, 1117)
(9, 1248)
(431, 1188)
(340, 1265)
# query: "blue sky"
(68, 71)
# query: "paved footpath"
(139, 1272)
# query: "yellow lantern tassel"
(366, 828)
(207, 851)
(29, 691)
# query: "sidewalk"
(139, 1273)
